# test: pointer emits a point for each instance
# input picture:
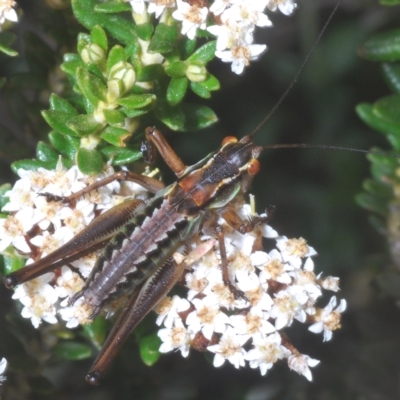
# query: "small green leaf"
(45, 153)
(151, 72)
(176, 69)
(84, 125)
(115, 136)
(378, 189)
(391, 130)
(133, 113)
(185, 117)
(99, 36)
(84, 40)
(89, 162)
(114, 117)
(163, 40)
(144, 31)
(204, 54)
(176, 90)
(71, 63)
(391, 72)
(117, 54)
(200, 90)
(66, 145)
(6, 40)
(69, 350)
(3, 190)
(211, 83)
(97, 331)
(186, 47)
(388, 109)
(137, 100)
(58, 121)
(149, 349)
(121, 156)
(111, 7)
(32, 165)
(371, 203)
(12, 260)
(382, 47)
(91, 86)
(59, 104)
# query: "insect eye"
(253, 166)
(229, 139)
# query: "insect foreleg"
(152, 291)
(100, 230)
(242, 226)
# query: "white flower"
(7, 11)
(157, 7)
(254, 322)
(176, 337)
(229, 348)
(266, 352)
(169, 309)
(137, 6)
(328, 319)
(3, 366)
(285, 6)
(301, 363)
(207, 317)
(192, 17)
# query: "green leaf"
(84, 40)
(45, 153)
(116, 54)
(32, 165)
(115, 136)
(186, 117)
(200, 90)
(120, 28)
(204, 54)
(176, 69)
(3, 190)
(84, 125)
(114, 117)
(58, 121)
(382, 47)
(59, 104)
(12, 260)
(98, 36)
(149, 349)
(144, 31)
(6, 40)
(391, 130)
(66, 145)
(137, 100)
(371, 203)
(91, 86)
(151, 72)
(391, 72)
(163, 40)
(69, 350)
(89, 162)
(133, 113)
(111, 7)
(97, 331)
(186, 47)
(121, 156)
(388, 109)
(176, 90)
(378, 189)
(211, 83)
(71, 63)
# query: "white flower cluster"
(232, 21)
(51, 224)
(280, 287)
(3, 366)
(7, 11)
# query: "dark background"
(314, 193)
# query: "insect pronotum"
(139, 238)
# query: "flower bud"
(196, 73)
(92, 53)
(125, 74)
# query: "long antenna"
(282, 98)
(325, 147)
